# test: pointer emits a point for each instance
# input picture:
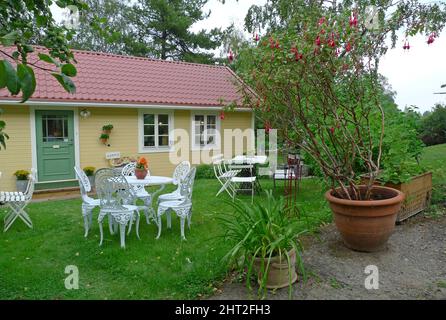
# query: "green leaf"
(65, 81)
(12, 81)
(9, 39)
(69, 70)
(27, 81)
(46, 58)
(2, 75)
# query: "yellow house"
(162, 110)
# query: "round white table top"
(149, 180)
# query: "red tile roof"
(108, 78)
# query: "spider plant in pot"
(316, 81)
(264, 239)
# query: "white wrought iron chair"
(183, 207)
(115, 196)
(88, 203)
(223, 175)
(179, 174)
(16, 202)
(140, 191)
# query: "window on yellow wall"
(155, 130)
(205, 130)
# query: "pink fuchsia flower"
(318, 41)
(321, 21)
(431, 38)
(256, 37)
(230, 56)
(406, 45)
(348, 47)
(353, 20)
(222, 115)
(332, 129)
(267, 127)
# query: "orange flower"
(142, 163)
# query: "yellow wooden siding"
(123, 138)
(17, 154)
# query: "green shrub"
(21, 174)
(205, 171)
(433, 126)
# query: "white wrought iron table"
(151, 181)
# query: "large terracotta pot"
(366, 225)
(140, 174)
(278, 271)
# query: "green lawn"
(434, 159)
(32, 262)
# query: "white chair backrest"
(180, 172)
(30, 187)
(187, 186)
(112, 189)
(129, 169)
(84, 183)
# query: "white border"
(141, 148)
(217, 144)
(32, 119)
(116, 105)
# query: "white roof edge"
(115, 105)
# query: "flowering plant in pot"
(317, 81)
(264, 238)
(141, 168)
(89, 172)
(22, 179)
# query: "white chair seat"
(170, 196)
(92, 202)
(243, 179)
(128, 207)
(11, 196)
(171, 204)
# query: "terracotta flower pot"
(366, 225)
(140, 174)
(278, 271)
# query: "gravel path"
(412, 267)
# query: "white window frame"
(217, 144)
(144, 149)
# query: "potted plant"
(141, 168)
(89, 172)
(317, 81)
(104, 138)
(264, 238)
(107, 128)
(22, 180)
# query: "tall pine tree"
(149, 28)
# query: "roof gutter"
(114, 105)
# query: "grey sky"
(414, 74)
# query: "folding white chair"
(224, 175)
(16, 202)
(241, 183)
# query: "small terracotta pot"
(140, 174)
(366, 225)
(104, 141)
(278, 271)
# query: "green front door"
(55, 145)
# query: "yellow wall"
(123, 138)
(17, 154)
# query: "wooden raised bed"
(417, 193)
